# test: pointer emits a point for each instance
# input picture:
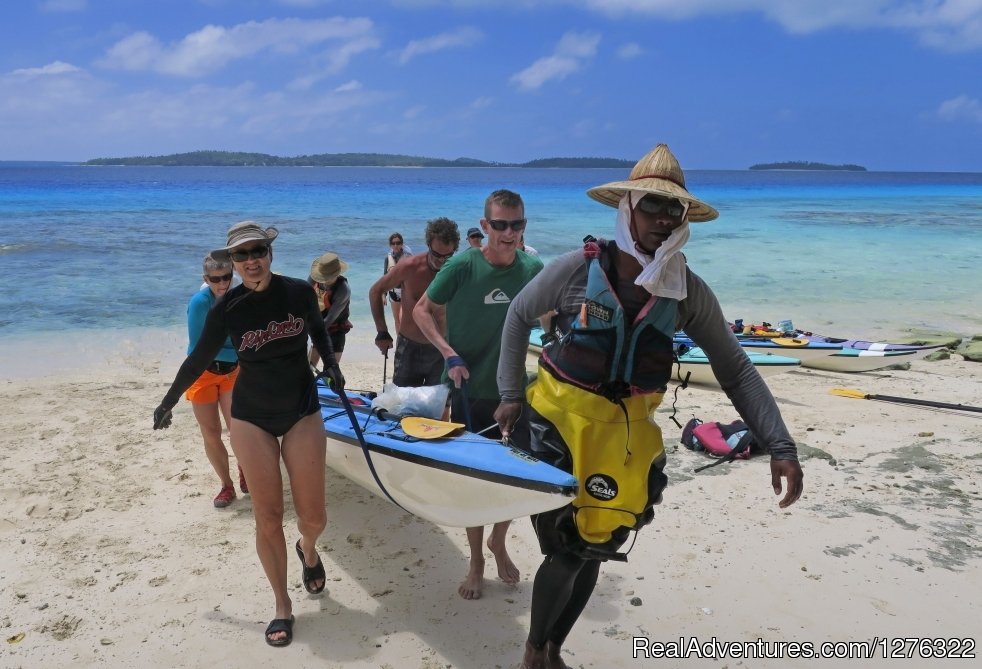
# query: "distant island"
(803, 165)
(241, 159)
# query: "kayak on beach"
(858, 360)
(793, 347)
(864, 345)
(458, 480)
(693, 365)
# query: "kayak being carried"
(457, 479)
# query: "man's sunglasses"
(440, 256)
(656, 205)
(501, 225)
(258, 252)
(219, 279)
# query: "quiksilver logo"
(497, 296)
(602, 487)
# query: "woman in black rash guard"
(275, 410)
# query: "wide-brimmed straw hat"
(327, 268)
(242, 232)
(658, 173)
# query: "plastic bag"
(426, 401)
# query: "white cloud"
(482, 103)
(465, 36)
(630, 51)
(567, 58)
(413, 112)
(63, 6)
(213, 47)
(84, 117)
(54, 68)
(949, 25)
(961, 108)
(352, 85)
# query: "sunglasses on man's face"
(246, 254)
(219, 279)
(656, 205)
(501, 224)
(440, 256)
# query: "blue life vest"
(602, 352)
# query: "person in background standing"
(475, 238)
(334, 299)
(397, 251)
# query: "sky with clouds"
(889, 84)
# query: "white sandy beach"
(112, 554)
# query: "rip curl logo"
(601, 487)
(256, 339)
(497, 296)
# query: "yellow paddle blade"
(428, 428)
(789, 341)
(849, 392)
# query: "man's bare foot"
(553, 660)
(507, 571)
(534, 658)
(473, 584)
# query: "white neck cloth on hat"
(662, 274)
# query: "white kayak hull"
(695, 364)
(853, 360)
(457, 481)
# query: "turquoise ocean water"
(858, 254)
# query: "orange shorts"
(210, 385)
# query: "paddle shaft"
(343, 396)
(925, 403)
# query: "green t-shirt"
(476, 295)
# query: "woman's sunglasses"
(395, 242)
(219, 279)
(258, 252)
(656, 205)
(501, 225)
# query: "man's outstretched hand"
(790, 470)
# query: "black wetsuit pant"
(562, 587)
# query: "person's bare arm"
(431, 318)
(376, 301)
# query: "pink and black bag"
(726, 441)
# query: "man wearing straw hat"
(470, 295)
(333, 298)
(618, 304)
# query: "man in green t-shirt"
(462, 314)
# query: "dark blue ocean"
(862, 254)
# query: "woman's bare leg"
(211, 431)
(258, 453)
(304, 454)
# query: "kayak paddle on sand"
(860, 395)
